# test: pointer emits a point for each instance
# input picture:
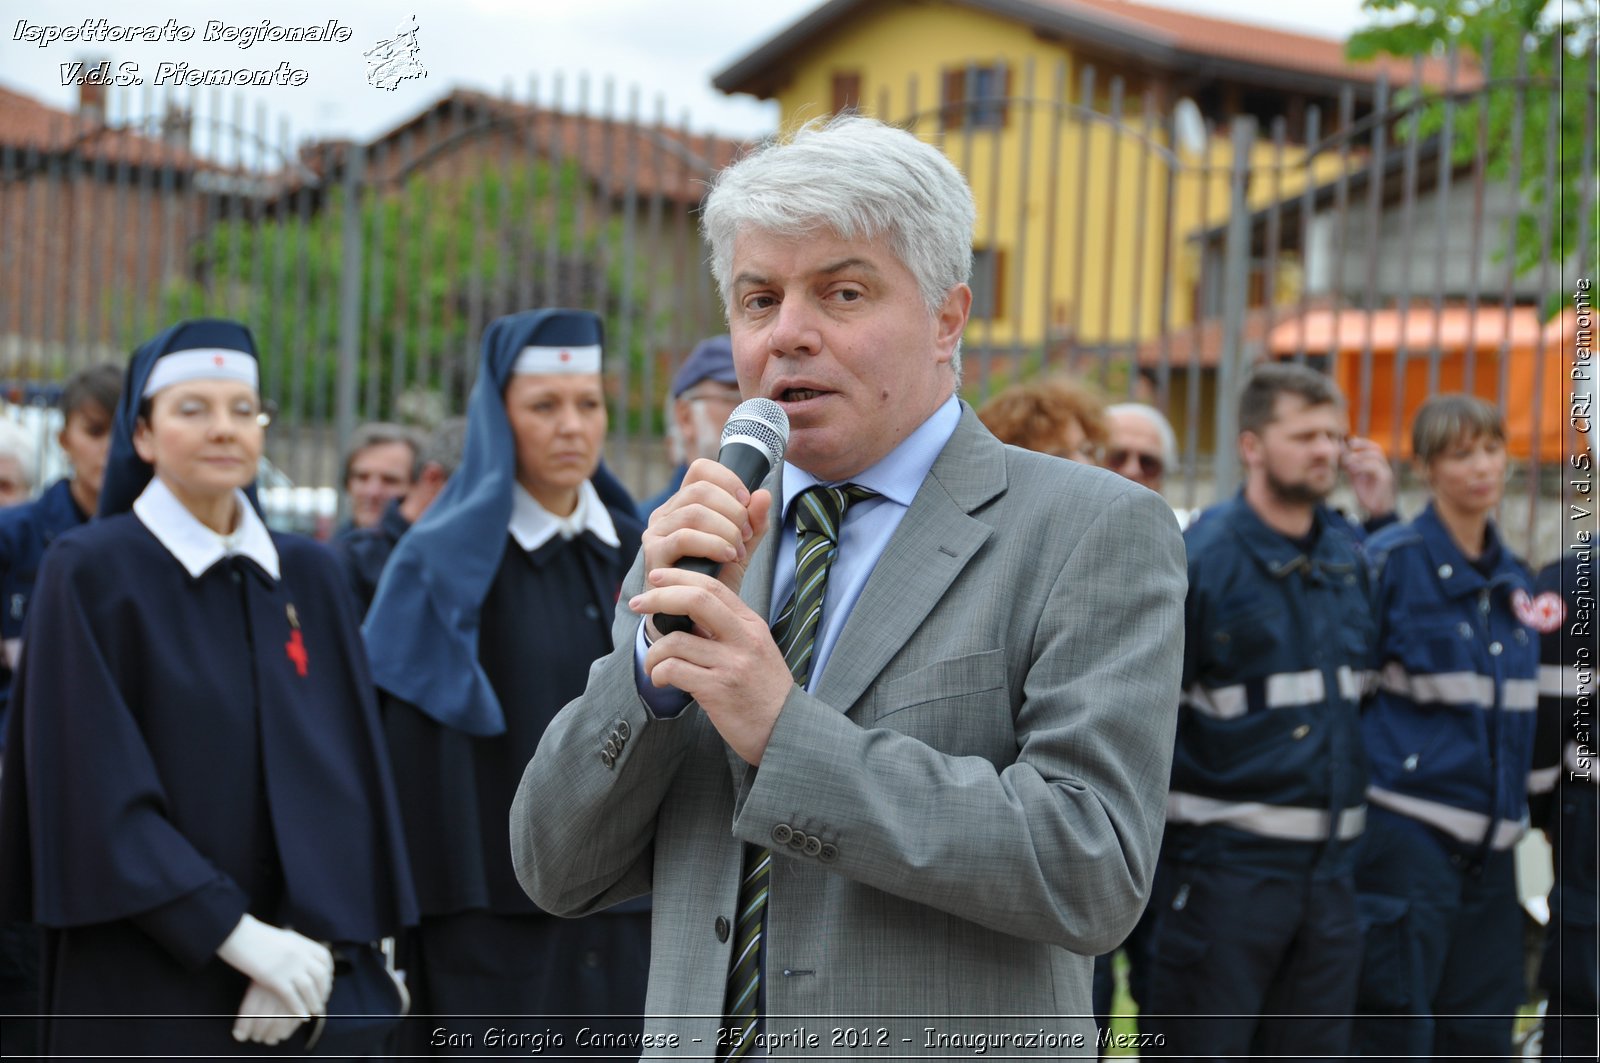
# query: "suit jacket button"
(813, 846)
(797, 840)
(722, 929)
(829, 853)
(624, 730)
(607, 759)
(782, 833)
(612, 747)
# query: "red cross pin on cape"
(295, 648)
(1544, 613)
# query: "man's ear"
(951, 320)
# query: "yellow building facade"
(1085, 216)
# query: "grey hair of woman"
(857, 178)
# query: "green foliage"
(440, 258)
(1540, 58)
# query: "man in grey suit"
(905, 830)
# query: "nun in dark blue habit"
(484, 625)
(196, 798)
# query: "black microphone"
(753, 442)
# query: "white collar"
(532, 525)
(196, 546)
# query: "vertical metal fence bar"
(1111, 237)
(433, 200)
(406, 247)
(11, 187)
(1380, 111)
(1402, 350)
(555, 159)
(1141, 199)
(1548, 236)
(1027, 112)
(1080, 235)
(1170, 255)
(628, 408)
(271, 173)
(1235, 285)
(350, 276)
(378, 253)
(1269, 263)
(75, 240)
(114, 269)
(1519, 110)
(52, 332)
(1057, 110)
(1307, 208)
(523, 231)
(276, 338)
(992, 217)
(1194, 371)
(1480, 150)
(236, 189)
(658, 272)
(1446, 167)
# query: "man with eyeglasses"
(1142, 446)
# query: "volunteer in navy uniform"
(196, 795)
(1256, 948)
(88, 400)
(1449, 740)
(1563, 794)
(477, 639)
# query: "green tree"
(440, 258)
(1550, 43)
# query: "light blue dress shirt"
(865, 533)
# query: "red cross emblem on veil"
(216, 359)
(566, 356)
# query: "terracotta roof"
(1259, 45)
(1157, 37)
(671, 160)
(27, 124)
(1418, 330)
(1203, 341)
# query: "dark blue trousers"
(1572, 944)
(1443, 972)
(1250, 964)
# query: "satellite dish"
(1189, 129)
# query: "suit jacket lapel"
(934, 542)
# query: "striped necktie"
(817, 515)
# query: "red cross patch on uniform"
(1544, 614)
(295, 648)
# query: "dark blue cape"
(127, 474)
(422, 629)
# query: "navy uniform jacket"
(545, 620)
(183, 751)
(1268, 772)
(25, 532)
(1449, 731)
(364, 551)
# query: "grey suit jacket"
(967, 808)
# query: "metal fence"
(1122, 236)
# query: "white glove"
(265, 1017)
(298, 970)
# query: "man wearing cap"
(904, 775)
(704, 392)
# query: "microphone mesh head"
(760, 421)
